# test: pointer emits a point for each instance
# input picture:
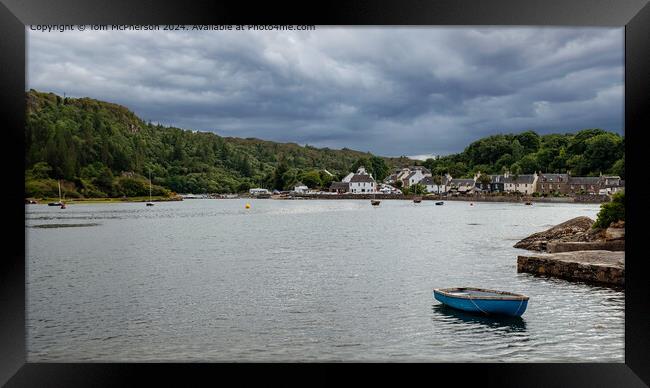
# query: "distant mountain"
(103, 149)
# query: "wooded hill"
(100, 149)
(588, 152)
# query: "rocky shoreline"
(573, 250)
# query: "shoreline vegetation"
(67, 201)
(97, 149)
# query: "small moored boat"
(529, 203)
(149, 203)
(417, 199)
(375, 202)
(440, 203)
(478, 300)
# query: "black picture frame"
(634, 15)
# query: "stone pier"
(595, 266)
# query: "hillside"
(588, 152)
(100, 149)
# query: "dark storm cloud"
(391, 91)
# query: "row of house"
(543, 183)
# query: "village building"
(433, 187)
(584, 185)
(610, 185)
(497, 183)
(340, 187)
(462, 186)
(413, 178)
(359, 182)
(525, 184)
(362, 182)
(258, 191)
(553, 183)
(408, 175)
(300, 188)
(347, 178)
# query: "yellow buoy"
(248, 206)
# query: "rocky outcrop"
(603, 267)
(573, 230)
(616, 231)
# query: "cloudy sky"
(391, 91)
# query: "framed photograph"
(440, 183)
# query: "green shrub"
(611, 211)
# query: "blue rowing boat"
(477, 300)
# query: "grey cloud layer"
(391, 91)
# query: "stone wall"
(603, 267)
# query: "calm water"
(208, 280)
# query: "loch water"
(302, 280)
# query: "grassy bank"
(44, 201)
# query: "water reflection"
(448, 315)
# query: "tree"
(619, 168)
(612, 211)
(311, 178)
(416, 189)
(529, 164)
(602, 151)
(243, 187)
(530, 140)
(379, 168)
(278, 173)
(41, 170)
(485, 179)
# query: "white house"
(362, 182)
(402, 174)
(412, 178)
(300, 188)
(433, 187)
(258, 191)
(525, 184)
(348, 178)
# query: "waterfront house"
(525, 184)
(388, 189)
(408, 175)
(412, 178)
(300, 188)
(362, 182)
(347, 178)
(610, 184)
(584, 184)
(432, 186)
(553, 183)
(461, 186)
(340, 187)
(497, 183)
(258, 191)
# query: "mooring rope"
(521, 302)
(471, 300)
